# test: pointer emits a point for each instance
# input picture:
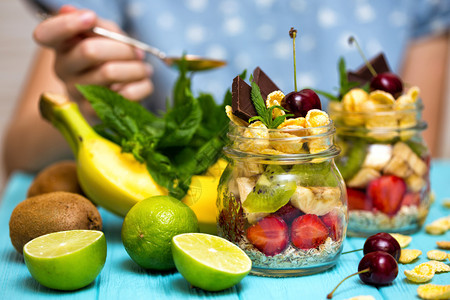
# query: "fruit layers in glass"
(282, 200)
(384, 160)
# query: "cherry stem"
(330, 295)
(293, 34)
(368, 64)
(351, 251)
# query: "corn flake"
(403, 240)
(437, 255)
(439, 226)
(446, 203)
(285, 142)
(408, 255)
(413, 92)
(381, 98)
(256, 138)
(274, 99)
(353, 100)
(421, 273)
(439, 266)
(443, 245)
(433, 291)
(297, 123)
(317, 118)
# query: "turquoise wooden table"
(121, 278)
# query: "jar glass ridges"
(385, 164)
(282, 199)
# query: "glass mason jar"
(385, 164)
(282, 200)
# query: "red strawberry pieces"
(333, 220)
(288, 213)
(269, 235)
(386, 193)
(357, 200)
(308, 231)
(411, 199)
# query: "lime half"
(66, 260)
(209, 262)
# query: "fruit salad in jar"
(281, 198)
(384, 160)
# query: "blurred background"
(17, 22)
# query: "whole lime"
(148, 229)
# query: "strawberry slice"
(386, 193)
(269, 235)
(411, 199)
(288, 213)
(308, 231)
(333, 220)
(357, 200)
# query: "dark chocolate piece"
(363, 75)
(241, 103)
(266, 85)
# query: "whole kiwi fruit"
(59, 176)
(51, 212)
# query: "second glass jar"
(282, 200)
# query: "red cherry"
(375, 268)
(299, 103)
(383, 268)
(388, 82)
(382, 242)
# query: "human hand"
(84, 58)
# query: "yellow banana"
(116, 180)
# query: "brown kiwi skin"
(51, 212)
(59, 176)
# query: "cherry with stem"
(299, 102)
(388, 82)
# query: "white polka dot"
(264, 3)
(195, 34)
(306, 42)
(229, 7)
(233, 26)
(196, 5)
(365, 13)
(217, 52)
(298, 5)
(373, 47)
(165, 21)
(437, 26)
(305, 80)
(282, 49)
(266, 32)
(398, 18)
(135, 9)
(326, 17)
(343, 43)
(242, 61)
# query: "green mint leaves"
(183, 142)
(264, 113)
(344, 85)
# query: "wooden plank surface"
(121, 278)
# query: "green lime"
(209, 262)
(148, 229)
(66, 260)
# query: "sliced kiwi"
(273, 190)
(418, 148)
(352, 157)
(315, 174)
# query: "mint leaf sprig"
(344, 85)
(264, 113)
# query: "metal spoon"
(193, 62)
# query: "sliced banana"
(378, 155)
(245, 186)
(398, 166)
(316, 200)
(363, 178)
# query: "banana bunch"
(116, 180)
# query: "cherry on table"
(375, 268)
(388, 82)
(382, 241)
